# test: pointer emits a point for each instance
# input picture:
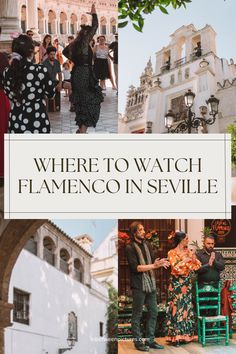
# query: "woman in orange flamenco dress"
(4, 110)
(180, 314)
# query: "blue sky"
(136, 48)
(97, 229)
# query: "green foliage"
(134, 10)
(207, 231)
(231, 129)
(195, 245)
(112, 321)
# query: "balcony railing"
(48, 256)
(180, 62)
(165, 68)
(196, 55)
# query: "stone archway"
(13, 236)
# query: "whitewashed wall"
(53, 296)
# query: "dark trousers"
(150, 300)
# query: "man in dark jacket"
(142, 264)
(212, 263)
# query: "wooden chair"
(233, 297)
(212, 326)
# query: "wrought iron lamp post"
(191, 121)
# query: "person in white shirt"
(66, 84)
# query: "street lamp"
(191, 121)
(189, 98)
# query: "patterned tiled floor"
(191, 348)
(64, 121)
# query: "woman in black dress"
(86, 93)
(26, 84)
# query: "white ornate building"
(55, 298)
(59, 18)
(105, 259)
(190, 61)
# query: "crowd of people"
(34, 74)
(206, 264)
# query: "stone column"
(32, 15)
(5, 321)
(46, 25)
(57, 27)
(9, 21)
(40, 245)
(66, 27)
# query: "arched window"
(23, 18)
(49, 250)
(63, 22)
(64, 259)
(72, 326)
(31, 245)
(78, 270)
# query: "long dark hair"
(75, 46)
(178, 237)
(24, 46)
(44, 40)
(4, 63)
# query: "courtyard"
(63, 122)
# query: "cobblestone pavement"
(64, 121)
